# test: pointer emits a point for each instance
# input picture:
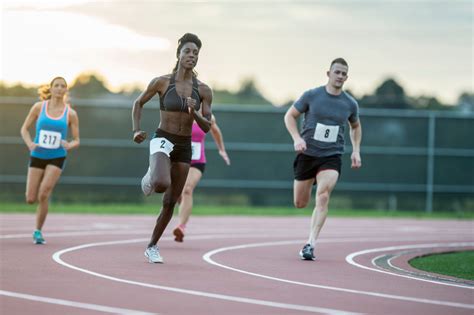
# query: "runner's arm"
(29, 121)
(74, 125)
(356, 139)
(291, 125)
(219, 140)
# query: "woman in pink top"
(198, 165)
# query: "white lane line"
(306, 308)
(78, 233)
(94, 307)
(350, 259)
(373, 262)
(214, 232)
(123, 232)
(419, 273)
(207, 257)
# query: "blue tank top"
(49, 133)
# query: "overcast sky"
(285, 45)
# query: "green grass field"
(458, 264)
(148, 208)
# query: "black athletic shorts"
(199, 166)
(306, 167)
(182, 146)
(42, 163)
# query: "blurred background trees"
(389, 94)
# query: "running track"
(228, 265)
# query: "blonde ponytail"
(44, 92)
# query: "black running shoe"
(307, 253)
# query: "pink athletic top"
(197, 141)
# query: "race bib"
(196, 149)
(49, 139)
(326, 133)
(161, 145)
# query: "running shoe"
(38, 238)
(178, 233)
(306, 252)
(146, 185)
(153, 255)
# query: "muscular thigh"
(327, 180)
(33, 180)
(179, 174)
(302, 190)
(50, 178)
(160, 166)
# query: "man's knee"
(44, 195)
(30, 199)
(300, 203)
(322, 198)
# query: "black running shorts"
(42, 163)
(182, 146)
(199, 166)
(306, 167)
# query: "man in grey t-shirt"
(320, 145)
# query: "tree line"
(389, 94)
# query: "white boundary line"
(244, 300)
(57, 258)
(78, 233)
(350, 260)
(207, 257)
(88, 306)
(389, 262)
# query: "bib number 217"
(49, 139)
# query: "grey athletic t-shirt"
(325, 118)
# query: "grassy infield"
(459, 264)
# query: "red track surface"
(226, 265)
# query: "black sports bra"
(172, 102)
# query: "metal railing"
(430, 152)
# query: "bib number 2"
(49, 139)
(161, 145)
(326, 133)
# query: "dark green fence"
(413, 160)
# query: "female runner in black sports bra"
(183, 99)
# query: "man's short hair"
(340, 61)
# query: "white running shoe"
(153, 255)
(146, 185)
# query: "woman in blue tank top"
(183, 100)
(48, 150)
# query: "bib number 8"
(326, 133)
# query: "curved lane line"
(207, 257)
(57, 258)
(94, 307)
(421, 273)
(350, 260)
